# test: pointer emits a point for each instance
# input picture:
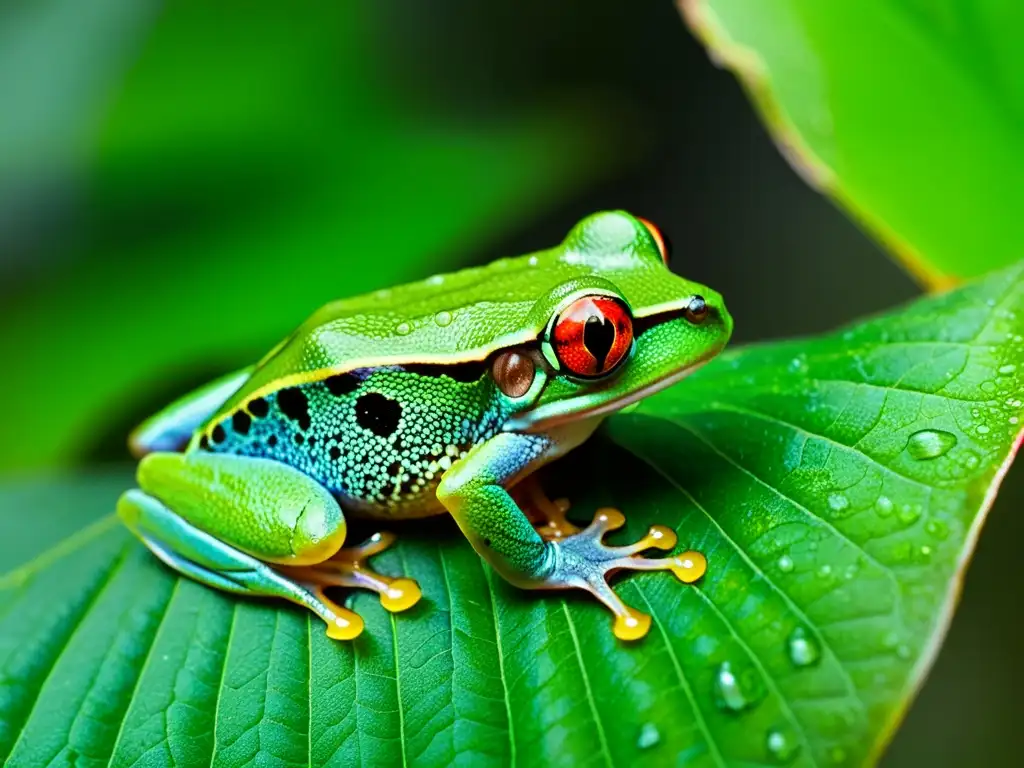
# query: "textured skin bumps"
(379, 439)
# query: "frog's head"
(623, 330)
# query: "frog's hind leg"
(210, 561)
(251, 525)
(350, 568)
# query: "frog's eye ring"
(591, 336)
(513, 372)
(663, 243)
(696, 310)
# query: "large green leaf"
(907, 111)
(837, 486)
(235, 188)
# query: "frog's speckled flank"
(379, 439)
(432, 397)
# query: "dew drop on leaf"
(1007, 369)
(825, 571)
(735, 692)
(930, 443)
(785, 563)
(982, 429)
(403, 329)
(443, 318)
(884, 506)
(649, 736)
(781, 745)
(802, 648)
(837, 502)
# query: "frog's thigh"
(207, 559)
(261, 507)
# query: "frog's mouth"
(594, 406)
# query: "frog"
(439, 397)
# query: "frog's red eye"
(592, 335)
(664, 246)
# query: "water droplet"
(838, 502)
(1007, 369)
(890, 639)
(909, 513)
(903, 651)
(443, 318)
(802, 647)
(532, 261)
(884, 506)
(930, 443)
(435, 280)
(798, 364)
(383, 293)
(971, 460)
(785, 563)
(825, 571)
(781, 746)
(735, 692)
(982, 429)
(1014, 419)
(850, 572)
(926, 552)
(937, 528)
(403, 329)
(649, 736)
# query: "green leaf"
(837, 486)
(908, 112)
(234, 189)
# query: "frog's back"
(464, 315)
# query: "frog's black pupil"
(598, 337)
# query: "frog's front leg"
(473, 490)
(257, 527)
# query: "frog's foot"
(350, 568)
(547, 515)
(584, 561)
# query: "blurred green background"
(182, 182)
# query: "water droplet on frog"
(443, 318)
(798, 364)
(1006, 370)
(803, 648)
(785, 563)
(403, 329)
(649, 736)
(837, 502)
(930, 444)
(982, 429)
(884, 506)
(781, 746)
(732, 693)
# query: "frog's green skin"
(386, 405)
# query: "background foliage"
(180, 184)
